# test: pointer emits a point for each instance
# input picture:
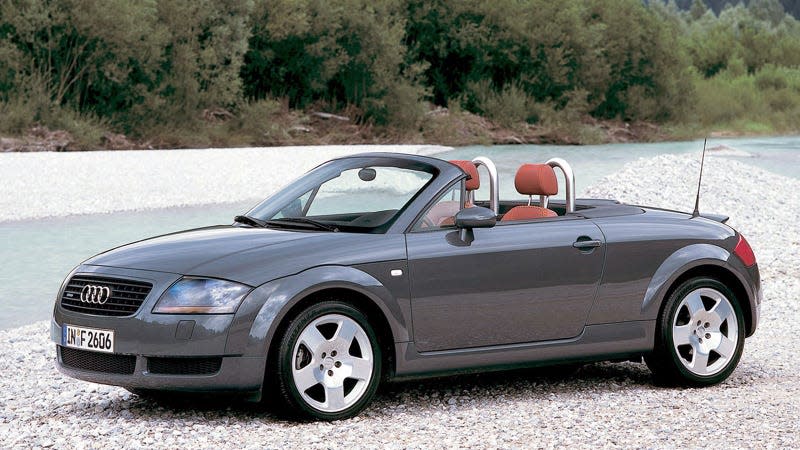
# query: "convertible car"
(385, 266)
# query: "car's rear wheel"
(329, 362)
(700, 335)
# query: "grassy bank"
(279, 125)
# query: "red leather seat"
(533, 179)
(473, 177)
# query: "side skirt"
(596, 343)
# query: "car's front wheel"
(329, 362)
(700, 335)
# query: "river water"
(35, 255)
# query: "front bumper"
(239, 374)
(202, 353)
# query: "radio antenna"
(700, 181)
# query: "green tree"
(89, 54)
(768, 10)
(698, 9)
(537, 45)
(204, 53)
(350, 53)
(646, 76)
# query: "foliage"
(508, 106)
(124, 60)
(770, 97)
(347, 53)
(209, 70)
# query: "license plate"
(87, 338)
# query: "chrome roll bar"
(494, 191)
(569, 178)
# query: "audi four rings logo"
(98, 295)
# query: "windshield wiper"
(284, 221)
(248, 220)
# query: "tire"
(328, 365)
(699, 335)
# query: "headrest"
(536, 179)
(474, 180)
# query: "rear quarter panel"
(644, 252)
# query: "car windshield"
(350, 194)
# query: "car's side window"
(442, 213)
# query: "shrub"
(256, 117)
(770, 77)
(16, 116)
(508, 106)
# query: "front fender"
(266, 307)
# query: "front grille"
(184, 366)
(126, 296)
(97, 362)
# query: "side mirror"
(475, 217)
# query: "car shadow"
(208, 405)
(524, 383)
(411, 394)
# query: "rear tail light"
(744, 252)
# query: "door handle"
(587, 244)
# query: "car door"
(514, 283)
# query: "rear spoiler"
(716, 217)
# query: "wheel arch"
(692, 261)
(277, 302)
(723, 275)
(353, 297)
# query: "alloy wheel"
(332, 363)
(705, 332)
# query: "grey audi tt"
(383, 266)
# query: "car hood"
(249, 255)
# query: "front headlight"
(201, 296)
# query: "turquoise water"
(591, 162)
(35, 255)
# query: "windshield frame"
(327, 171)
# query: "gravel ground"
(46, 184)
(603, 405)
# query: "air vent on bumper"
(97, 362)
(184, 366)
